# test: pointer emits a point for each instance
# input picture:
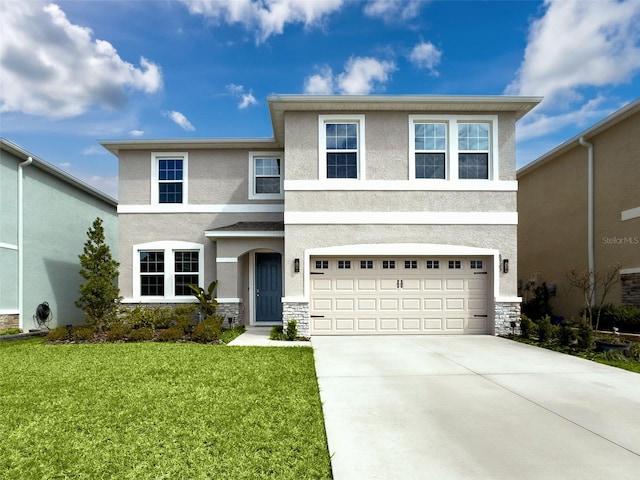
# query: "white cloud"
(393, 10)
(180, 119)
(238, 91)
(426, 55)
(579, 44)
(136, 133)
(264, 17)
(247, 99)
(363, 74)
(53, 68)
(64, 165)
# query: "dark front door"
(268, 287)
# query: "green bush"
(140, 334)
(228, 335)
(634, 351)
(208, 330)
(118, 332)
(83, 334)
(627, 319)
(292, 330)
(526, 326)
(566, 335)
(172, 334)
(585, 334)
(544, 329)
(276, 333)
(10, 331)
(182, 313)
(58, 334)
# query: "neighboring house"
(44, 217)
(363, 215)
(559, 231)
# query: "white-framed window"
(344, 264)
(410, 264)
(453, 147)
(322, 264)
(455, 264)
(341, 147)
(366, 264)
(388, 264)
(433, 264)
(169, 174)
(475, 264)
(266, 175)
(163, 271)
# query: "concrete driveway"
(474, 407)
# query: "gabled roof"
(22, 154)
(608, 122)
(278, 104)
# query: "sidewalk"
(259, 337)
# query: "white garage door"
(398, 295)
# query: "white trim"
(631, 213)
(160, 300)
(168, 247)
(244, 234)
(451, 156)
(217, 208)
(403, 185)
(508, 299)
(627, 271)
(252, 177)
(229, 300)
(295, 300)
(322, 143)
(9, 312)
(8, 246)
(401, 218)
(155, 157)
(226, 260)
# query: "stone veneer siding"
(298, 311)
(630, 288)
(504, 314)
(233, 310)
(9, 320)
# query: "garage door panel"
(377, 300)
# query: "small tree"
(99, 295)
(208, 302)
(590, 283)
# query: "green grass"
(159, 411)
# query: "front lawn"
(159, 411)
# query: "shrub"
(140, 334)
(229, 335)
(566, 335)
(10, 331)
(182, 313)
(634, 351)
(208, 330)
(627, 318)
(118, 332)
(526, 326)
(585, 334)
(544, 329)
(83, 334)
(172, 334)
(276, 333)
(292, 330)
(58, 334)
(540, 305)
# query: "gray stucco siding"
(400, 201)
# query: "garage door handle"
(483, 316)
(317, 273)
(316, 316)
(479, 273)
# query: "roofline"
(55, 171)
(604, 124)
(114, 146)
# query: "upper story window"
(265, 175)
(341, 146)
(169, 177)
(450, 147)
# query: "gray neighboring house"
(362, 215)
(44, 217)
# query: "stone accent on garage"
(298, 311)
(630, 288)
(504, 314)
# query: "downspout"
(21, 319)
(590, 218)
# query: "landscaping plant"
(99, 295)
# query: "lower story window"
(166, 269)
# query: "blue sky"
(75, 72)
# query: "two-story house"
(362, 215)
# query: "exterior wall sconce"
(296, 265)
(505, 265)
